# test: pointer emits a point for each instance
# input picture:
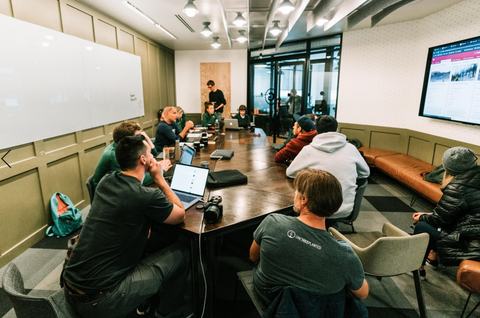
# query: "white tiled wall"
(187, 76)
(382, 70)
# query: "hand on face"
(155, 169)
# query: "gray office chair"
(361, 186)
(25, 306)
(246, 278)
(91, 188)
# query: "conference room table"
(268, 190)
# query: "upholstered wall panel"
(42, 12)
(60, 142)
(106, 34)
(23, 212)
(125, 42)
(438, 154)
(385, 140)
(419, 148)
(71, 186)
(78, 23)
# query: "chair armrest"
(391, 230)
(339, 236)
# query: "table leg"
(195, 259)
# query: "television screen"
(451, 88)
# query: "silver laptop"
(232, 124)
(189, 183)
(187, 155)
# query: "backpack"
(66, 217)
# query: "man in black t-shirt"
(105, 276)
(216, 97)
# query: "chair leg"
(414, 199)
(465, 307)
(235, 297)
(418, 289)
(353, 229)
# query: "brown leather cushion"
(468, 276)
(371, 153)
(408, 170)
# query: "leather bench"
(468, 277)
(370, 154)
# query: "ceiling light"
(138, 11)
(242, 38)
(206, 30)
(215, 43)
(321, 22)
(166, 31)
(190, 9)
(286, 7)
(239, 20)
(275, 30)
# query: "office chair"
(91, 188)
(361, 186)
(390, 253)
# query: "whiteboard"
(53, 84)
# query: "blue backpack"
(66, 217)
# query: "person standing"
(216, 98)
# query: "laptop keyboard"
(185, 197)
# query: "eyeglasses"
(209, 86)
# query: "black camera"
(213, 209)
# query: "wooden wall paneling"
(6, 8)
(78, 23)
(439, 149)
(60, 142)
(22, 213)
(170, 68)
(92, 157)
(141, 49)
(359, 134)
(42, 12)
(126, 42)
(65, 177)
(17, 154)
(154, 97)
(93, 133)
(106, 34)
(162, 72)
(420, 148)
(220, 74)
(385, 140)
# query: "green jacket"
(181, 122)
(209, 119)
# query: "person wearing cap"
(331, 152)
(242, 117)
(457, 214)
(304, 131)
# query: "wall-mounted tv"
(451, 88)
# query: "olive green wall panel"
(419, 148)
(6, 8)
(125, 42)
(438, 154)
(106, 34)
(354, 133)
(57, 143)
(385, 140)
(71, 186)
(154, 83)
(162, 67)
(92, 156)
(22, 209)
(18, 154)
(93, 133)
(170, 66)
(42, 12)
(78, 23)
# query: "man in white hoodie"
(331, 152)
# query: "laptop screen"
(189, 179)
(187, 155)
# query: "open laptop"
(189, 183)
(187, 155)
(232, 124)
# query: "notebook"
(222, 154)
(232, 124)
(187, 155)
(189, 183)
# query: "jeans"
(423, 227)
(166, 270)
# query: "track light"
(138, 11)
(286, 7)
(215, 43)
(206, 30)
(239, 20)
(190, 9)
(242, 38)
(166, 31)
(275, 30)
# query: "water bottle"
(177, 150)
(217, 126)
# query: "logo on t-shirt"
(292, 234)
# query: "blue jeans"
(166, 270)
(423, 227)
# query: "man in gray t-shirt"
(298, 251)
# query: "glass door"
(263, 95)
(291, 95)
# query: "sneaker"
(423, 274)
(433, 263)
(143, 309)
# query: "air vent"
(185, 23)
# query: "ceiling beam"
(345, 8)
(224, 19)
(248, 24)
(270, 16)
(382, 14)
(292, 19)
(368, 10)
(320, 11)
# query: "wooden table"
(268, 190)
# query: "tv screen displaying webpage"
(451, 88)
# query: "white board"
(53, 84)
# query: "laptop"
(232, 124)
(189, 183)
(187, 155)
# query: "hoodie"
(330, 152)
(294, 146)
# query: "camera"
(213, 209)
